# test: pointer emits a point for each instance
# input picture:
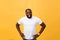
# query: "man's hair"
(28, 9)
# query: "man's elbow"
(44, 26)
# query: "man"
(30, 23)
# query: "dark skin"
(29, 15)
(18, 28)
(42, 29)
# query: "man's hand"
(35, 36)
(22, 35)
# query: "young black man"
(30, 23)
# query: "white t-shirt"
(29, 26)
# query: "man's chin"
(29, 17)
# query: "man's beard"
(30, 16)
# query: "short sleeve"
(20, 21)
(39, 20)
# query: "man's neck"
(29, 17)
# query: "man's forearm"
(18, 28)
(43, 27)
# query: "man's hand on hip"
(22, 35)
(35, 36)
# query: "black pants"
(29, 39)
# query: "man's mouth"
(29, 15)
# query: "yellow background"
(12, 10)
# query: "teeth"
(29, 15)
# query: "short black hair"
(28, 9)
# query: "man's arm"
(42, 29)
(18, 28)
